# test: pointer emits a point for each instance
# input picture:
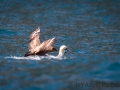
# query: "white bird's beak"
(66, 50)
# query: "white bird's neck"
(61, 53)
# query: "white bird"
(62, 51)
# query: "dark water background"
(89, 28)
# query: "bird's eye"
(66, 49)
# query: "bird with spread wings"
(37, 48)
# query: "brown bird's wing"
(45, 47)
(50, 42)
(33, 34)
(49, 45)
(34, 39)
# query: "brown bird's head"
(54, 49)
(35, 34)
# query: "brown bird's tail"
(28, 54)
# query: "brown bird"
(35, 48)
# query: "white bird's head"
(62, 50)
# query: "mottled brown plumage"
(35, 48)
(45, 47)
(34, 40)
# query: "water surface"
(89, 28)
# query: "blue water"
(89, 28)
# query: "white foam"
(25, 58)
(48, 57)
(55, 57)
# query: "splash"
(48, 57)
(25, 58)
